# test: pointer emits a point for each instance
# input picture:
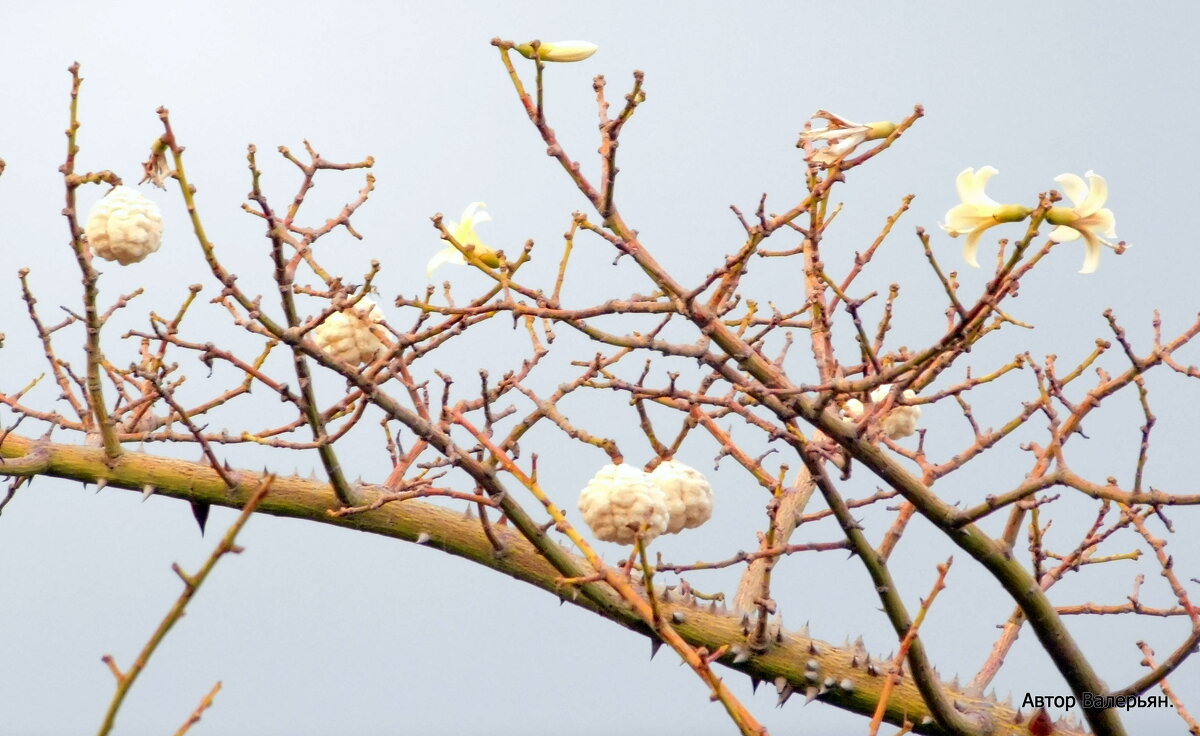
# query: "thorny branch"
(709, 356)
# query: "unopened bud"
(559, 50)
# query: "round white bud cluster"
(689, 496)
(347, 335)
(900, 422)
(124, 226)
(620, 498)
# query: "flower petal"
(449, 254)
(1063, 234)
(971, 183)
(473, 214)
(820, 134)
(963, 218)
(971, 247)
(1106, 224)
(1092, 259)
(1074, 188)
(1097, 195)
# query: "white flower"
(559, 50)
(842, 136)
(347, 335)
(124, 226)
(900, 422)
(1088, 217)
(689, 495)
(464, 234)
(619, 500)
(977, 211)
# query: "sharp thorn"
(200, 511)
(784, 695)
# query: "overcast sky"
(319, 630)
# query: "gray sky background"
(317, 630)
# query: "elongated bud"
(559, 50)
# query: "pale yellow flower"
(561, 51)
(464, 234)
(1088, 218)
(977, 211)
(842, 136)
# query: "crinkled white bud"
(618, 500)
(124, 226)
(347, 335)
(900, 422)
(689, 496)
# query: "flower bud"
(619, 500)
(124, 226)
(559, 50)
